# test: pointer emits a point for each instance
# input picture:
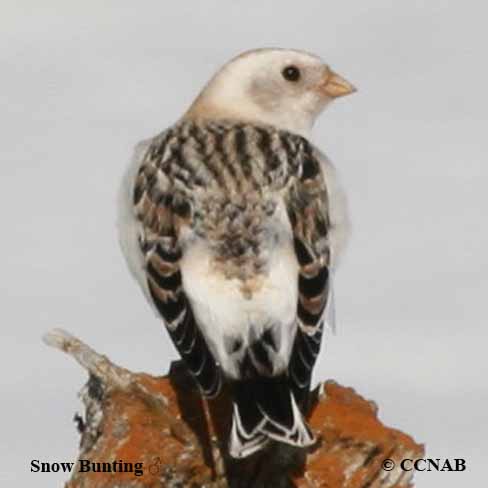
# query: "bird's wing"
(308, 211)
(163, 212)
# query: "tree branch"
(180, 440)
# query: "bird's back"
(227, 181)
(222, 211)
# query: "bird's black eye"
(291, 73)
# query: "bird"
(233, 222)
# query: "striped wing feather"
(162, 214)
(307, 210)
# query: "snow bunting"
(232, 222)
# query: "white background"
(82, 82)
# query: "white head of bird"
(281, 87)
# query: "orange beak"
(336, 86)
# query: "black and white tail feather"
(265, 409)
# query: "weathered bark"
(181, 440)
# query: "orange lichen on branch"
(141, 431)
(354, 444)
